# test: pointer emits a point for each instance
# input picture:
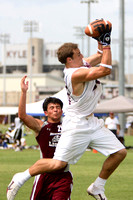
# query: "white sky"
(58, 18)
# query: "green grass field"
(118, 187)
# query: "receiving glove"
(105, 34)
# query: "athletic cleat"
(12, 190)
(99, 196)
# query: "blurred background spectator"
(112, 123)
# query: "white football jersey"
(84, 104)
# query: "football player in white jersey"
(80, 128)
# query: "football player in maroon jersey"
(56, 185)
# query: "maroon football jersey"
(48, 138)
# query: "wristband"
(100, 51)
(104, 65)
(106, 48)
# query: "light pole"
(129, 45)
(121, 60)
(31, 26)
(88, 2)
(4, 38)
(80, 34)
(128, 42)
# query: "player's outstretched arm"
(28, 120)
(83, 75)
(95, 59)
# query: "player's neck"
(53, 121)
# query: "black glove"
(104, 37)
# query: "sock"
(100, 183)
(22, 177)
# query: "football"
(91, 29)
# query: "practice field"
(118, 187)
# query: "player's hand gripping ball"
(93, 28)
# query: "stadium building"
(43, 69)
